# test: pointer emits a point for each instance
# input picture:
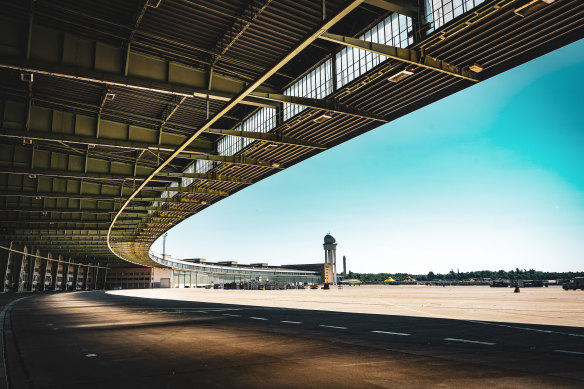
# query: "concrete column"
(65, 275)
(85, 277)
(17, 270)
(75, 275)
(44, 265)
(104, 278)
(94, 274)
(55, 273)
(4, 260)
(31, 266)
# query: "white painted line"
(391, 333)
(569, 352)
(90, 355)
(228, 314)
(338, 328)
(291, 322)
(469, 341)
(524, 328)
(258, 318)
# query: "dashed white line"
(291, 322)
(569, 352)
(229, 314)
(338, 328)
(391, 333)
(258, 318)
(469, 341)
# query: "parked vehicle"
(574, 283)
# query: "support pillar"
(17, 270)
(65, 277)
(31, 266)
(43, 273)
(75, 275)
(85, 278)
(55, 273)
(94, 278)
(104, 278)
(5, 256)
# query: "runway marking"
(229, 314)
(338, 328)
(258, 318)
(291, 322)
(470, 341)
(391, 333)
(569, 352)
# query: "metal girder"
(187, 189)
(118, 80)
(74, 174)
(403, 7)
(59, 195)
(271, 137)
(321, 104)
(237, 159)
(409, 56)
(58, 210)
(87, 140)
(205, 176)
(171, 200)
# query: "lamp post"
(164, 245)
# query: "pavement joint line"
(228, 314)
(470, 341)
(290, 322)
(338, 328)
(391, 333)
(569, 352)
(525, 328)
(257, 318)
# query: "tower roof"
(328, 239)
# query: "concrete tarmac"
(212, 338)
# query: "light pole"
(164, 245)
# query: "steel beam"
(271, 137)
(186, 189)
(205, 176)
(92, 141)
(232, 159)
(409, 56)
(58, 210)
(55, 273)
(75, 174)
(403, 7)
(61, 195)
(321, 104)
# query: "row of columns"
(19, 272)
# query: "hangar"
(120, 119)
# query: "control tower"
(330, 256)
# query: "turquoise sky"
(489, 178)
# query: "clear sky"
(489, 178)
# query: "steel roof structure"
(105, 105)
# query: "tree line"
(517, 274)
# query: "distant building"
(328, 269)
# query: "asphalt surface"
(100, 340)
